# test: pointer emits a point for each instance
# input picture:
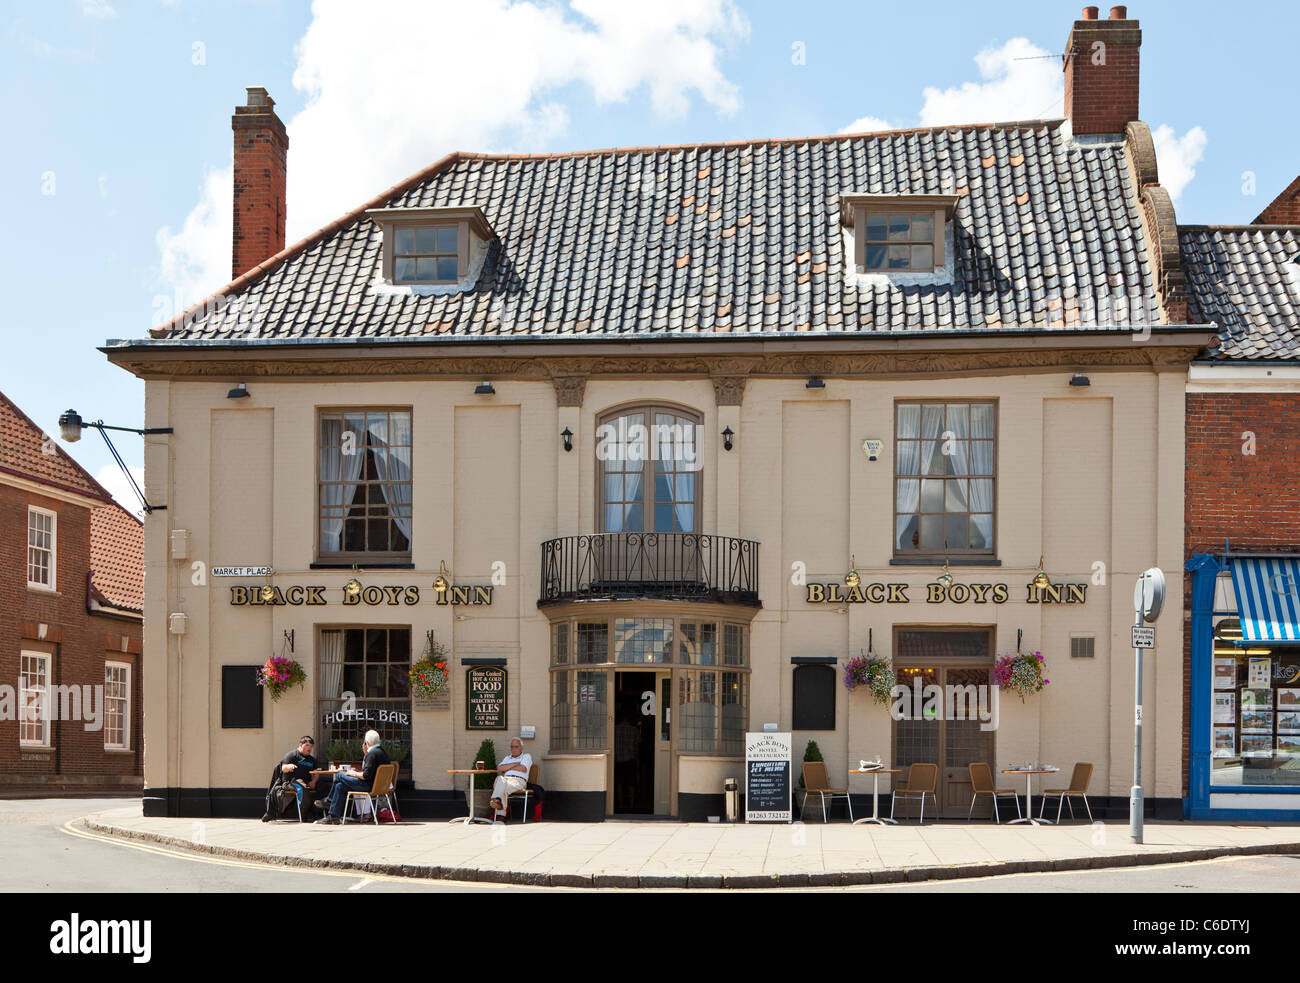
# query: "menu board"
(767, 778)
(485, 698)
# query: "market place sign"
(833, 593)
(316, 595)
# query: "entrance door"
(944, 725)
(636, 737)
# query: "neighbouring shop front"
(1245, 678)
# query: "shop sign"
(767, 778)
(485, 698)
(835, 593)
(372, 596)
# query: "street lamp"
(70, 426)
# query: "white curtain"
(393, 467)
(331, 664)
(336, 466)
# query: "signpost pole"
(1135, 794)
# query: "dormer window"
(898, 233)
(436, 247)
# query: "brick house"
(71, 612)
(1242, 660)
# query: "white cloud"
(1020, 81)
(114, 481)
(97, 10)
(867, 124)
(496, 80)
(1177, 157)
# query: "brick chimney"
(1101, 72)
(261, 149)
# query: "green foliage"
(811, 753)
(487, 752)
(344, 749)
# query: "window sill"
(936, 561)
(118, 750)
(361, 563)
(42, 748)
(42, 589)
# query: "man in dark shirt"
(352, 780)
(297, 766)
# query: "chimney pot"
(1119, 13)
(1102, 73)
(1090, 13)
(257, 96)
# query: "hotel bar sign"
(834, 593)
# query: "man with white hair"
(351, 780)
(512, 775)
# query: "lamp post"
(70, 426)
(1148, 599)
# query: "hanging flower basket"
(1022, 673)
(280, 675)
(872, 672)
(430, 675)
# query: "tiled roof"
(23, 452)
(117, 557)
(728, 238)
(1247, 281)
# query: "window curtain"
(958, 463)
(331, 664)
(393, 466)
(909, 489)
(336, 466)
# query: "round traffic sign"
(1149, 594)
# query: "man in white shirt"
(512, 775)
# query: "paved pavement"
(705, 855)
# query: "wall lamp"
(567, 434)
(440, 582)
(1041, 579)
(945, 578)
(815, 383)
(70, 426)
(484, 388)
(852, 579)
(1079, 379)
(726, 439)
(239, 392)
(353, 587)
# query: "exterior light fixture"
(440, 582)
(1079, 379)
(239, 392)
(815, 383)
(353, 587)
(852, 579)
(70, 426)
(726, 439)
(484, 388)
(567, 434)
(945, 578)
(268, 592)
(1041, 579)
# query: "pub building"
(649, 413)
(1243, 526)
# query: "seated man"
(351, 780)
(296, 768)
(512, 775)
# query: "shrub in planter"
(811, 753)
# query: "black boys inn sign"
(315, 595)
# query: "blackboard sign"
(485, 698)
(767, 778)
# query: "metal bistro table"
(471, 818)
(875, 774)
(1029, 774)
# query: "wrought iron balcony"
(659, 565)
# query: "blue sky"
(119, 139)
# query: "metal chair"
(921, 780)
(384, 786)
(981, 783)
(533, 773)
(816, 782)
(1079, 782)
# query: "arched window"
(648, 469)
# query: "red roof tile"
(28, 452)
(117, 558)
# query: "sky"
(116, 174)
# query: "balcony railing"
(660, 565)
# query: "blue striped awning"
(1268, 598)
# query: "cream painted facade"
(1089, 478)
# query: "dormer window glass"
(425, 255)
(897, 233)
